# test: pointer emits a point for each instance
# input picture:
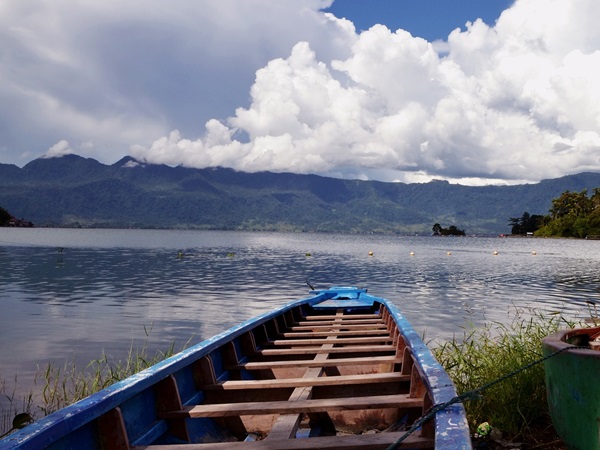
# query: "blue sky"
(429, 19)
(470, 91)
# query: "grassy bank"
(58, 386)
(517, 407)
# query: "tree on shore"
(573, 214)
(4, 217)
(527, 223)
(7, 220)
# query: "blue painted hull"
(341, 360)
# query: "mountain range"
(72, 191)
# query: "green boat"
(572, 386)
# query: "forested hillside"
(76, 191)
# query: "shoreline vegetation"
(572, 215)
(58, 386)
(516, 408)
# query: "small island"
(452, 230)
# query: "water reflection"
(107, 286)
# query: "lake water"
(74, 294)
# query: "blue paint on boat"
(76, 426)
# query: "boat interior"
(328, 378)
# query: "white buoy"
(412, 253)
(370, 253)
(495, 252)
(534, 253)
(449, 253)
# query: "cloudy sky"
(471, 91)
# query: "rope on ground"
(473, 394)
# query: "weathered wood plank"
(312, 363)
(335, 326)
(112, 432)
(168, 399)
(316, 381)
(286, 425)
(377, 441)
(334, 332)
(315, 350)
(296, 407)
(349, 340)
(344, 317)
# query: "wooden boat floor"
(361, 350)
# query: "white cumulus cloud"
(516, 101)
(285, 86)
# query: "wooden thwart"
(391, 377)
(333, 332)
(336, 325)
(340, 341)
(296, 407)
(312, 363)
(345, 317)
(377, 441)
(314, 350)
(330, 320)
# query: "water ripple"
(106, 288)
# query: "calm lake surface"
(73, 294)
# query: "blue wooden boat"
(341, 369)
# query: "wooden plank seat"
(342, 340)
(336, 326)
(378, 441)
(295, 407)
(340, 333)
(315, 350)
(331, 321)
(389, 377)
(345, 317)
(259, 365)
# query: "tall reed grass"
(516, 406)
(15, 411)
(56, 386)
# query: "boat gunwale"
(556, 342)
(449, 434)
(112, 396)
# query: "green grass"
(13, 407)
(62, 386)
(58, 386)
(516, 406)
